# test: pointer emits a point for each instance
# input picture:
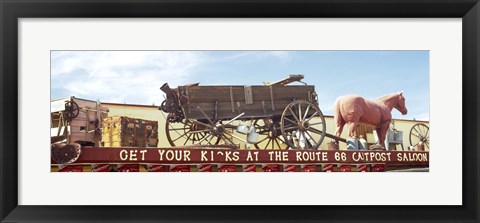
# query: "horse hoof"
(377, 147)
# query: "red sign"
(202, 155)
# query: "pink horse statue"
(353, 109)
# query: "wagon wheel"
(63, 153)
(71, 110)
(223, 131)
(419, 133)
(303, 125)
(184, 133)
(203, 133)
(270, 136)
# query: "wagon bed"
(226, 102)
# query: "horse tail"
(337, 115)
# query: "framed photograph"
(199, 88)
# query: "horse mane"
(386, 97)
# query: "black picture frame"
(11, 11)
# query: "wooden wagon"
(270, 116)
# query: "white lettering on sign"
(161, 152)
(278, 155)
(131, 155)
(232, 156)
(176, 155)
(124, 154)
(249, 156)
(204, 158)
(143, 153)
(310, 156)
(340, 156)
(409, 157)
(371, 156)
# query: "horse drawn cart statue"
(272, 116)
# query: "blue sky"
(134, 77)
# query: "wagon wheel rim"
(270, 136)
(420, 133)
(185, 133)
(71, 110)
(303, 125)
(192, 132)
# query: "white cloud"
(282, 55)
(121, 76)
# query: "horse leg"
(338, 132)
(382, 134)
(352, 129)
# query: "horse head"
(400, 106)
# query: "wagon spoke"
(304, 139)
(293, 113)
(424, 131)
(218, 140)
(204, 138)
(268, 143)
(313, 115)
(290, 120)
(231, 142)
(176, 129)
(418, 133)
(300, 111)
(291, 128)
(281, 140)
(180, 137)
(263, 132)
(223, 139)
(188, 138)
(426, 139)
(199, 131)
(262, 140)
(201, 123)
(311, 138)
(306, 112)
(206, 116)
(197, 137)
(208, 140)
(278, 144)
(316, 123)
